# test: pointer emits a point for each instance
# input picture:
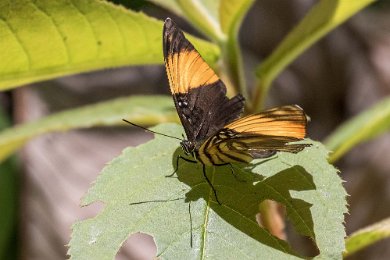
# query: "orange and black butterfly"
(216, 134)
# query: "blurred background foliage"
(341, 76)
(9, 200)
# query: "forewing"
(257, 136)
(199, 95)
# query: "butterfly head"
(188, 147)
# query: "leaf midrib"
(206, 220)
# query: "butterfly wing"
(199, 95)
(256, 136)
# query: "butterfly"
(216, 133)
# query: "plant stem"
(259, 94)
(232, 60)
(231, 51)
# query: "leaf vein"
(124, 46)
(56, 26)
(29, 61)
(89, 24)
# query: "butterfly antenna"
(153, 132)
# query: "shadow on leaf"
(241, 193)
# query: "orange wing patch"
(186, 70)
(288, 121)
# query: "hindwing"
(256, 136)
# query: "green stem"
(231, 52)
(232, 61)
(259, 94)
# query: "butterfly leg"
(211, 185)
(177, 164)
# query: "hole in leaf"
(137, 246)
(272, 217)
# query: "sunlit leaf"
(43, 39)
(138, 197)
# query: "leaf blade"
(367, 236)
(142, 109)
(231, 14)
(363, 127)
(219, 232)
(67, 37)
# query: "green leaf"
(322, 18)
(133, 186)
(144, 110)
(363, 127)
(203, 14)
(367, 236)
(46, 39)
(231, 13)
